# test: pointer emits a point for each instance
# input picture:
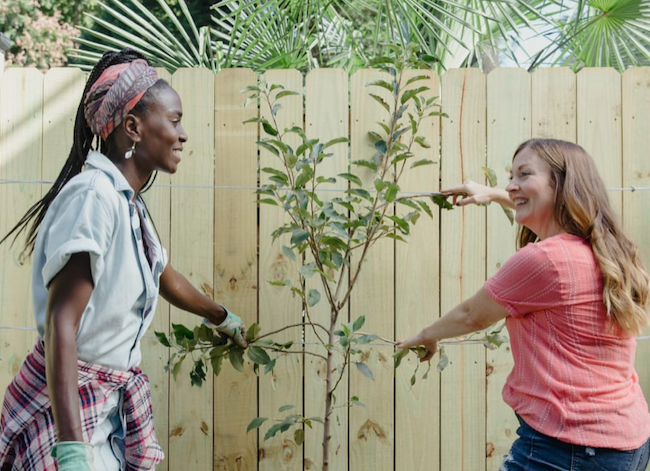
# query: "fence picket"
(21, 141)
(235, 267)
(509, 123)
(462, 245)
(192, 254)
(326, 117)
(277, 307)
(417, 303)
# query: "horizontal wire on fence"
(6, 181)
(386, 343)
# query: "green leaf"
(422, 142)
(304, 177)
(422, 162)
(358, 323)
(334, 141)
(401, 224)
(162, 338)
(273, 430)
(288, 253)
(250, 88)
(365, 370)
(490, 175)
(366, 338)
(298, 236)
(286, 407)
(299, 436)
(257, 355)
(351, 177)
(270, 201)
(269, 129)
(313, 297)
(177, 367)
(182, 332)
(284, 93)
(391, 192)
(236, 357)
(425, 207)
(269, 147)
(256, 423)
(197, 375)
(269, 366)
(382, 84)
(399, 355)
(417, 78)
(366, 163)
(381, 101)
(291, 160)
(442, 202)
(216, 364)
(252, 331)
(411, 93)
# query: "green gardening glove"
(232, 326)
(73, 456)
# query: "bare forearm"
(455, 323)
(177, 290)
(501, 196)
(62, 381)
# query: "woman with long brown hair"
(574, 296)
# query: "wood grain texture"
(636, 172)
(278, 307)
(508, 125)
(554, 104)
(417, 304)
(372, 427)
(191, 433)
(326, 117)
(21, 146)
(235, 268)
(462, 244)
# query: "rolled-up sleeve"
(83, 224)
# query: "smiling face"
(532, 190)
(162, 135)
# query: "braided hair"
(81, 146)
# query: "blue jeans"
(534, 451)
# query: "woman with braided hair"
(79, 401)
(574, 296)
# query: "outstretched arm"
(176, 289)
(474, 193)
(476, 313)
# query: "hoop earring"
(129, 153)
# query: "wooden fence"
(218, 237)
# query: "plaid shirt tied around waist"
(27, 432)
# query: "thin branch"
(289, 327)
(313, 325)
(280, 350)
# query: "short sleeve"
(81, 223)
(528, 282)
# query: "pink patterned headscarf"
(117, 90)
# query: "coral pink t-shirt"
(573, 376)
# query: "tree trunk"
(328, 395)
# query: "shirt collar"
(99, 161)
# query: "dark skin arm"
(69, 293)
(175, 288)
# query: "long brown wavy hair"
(582, 208)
